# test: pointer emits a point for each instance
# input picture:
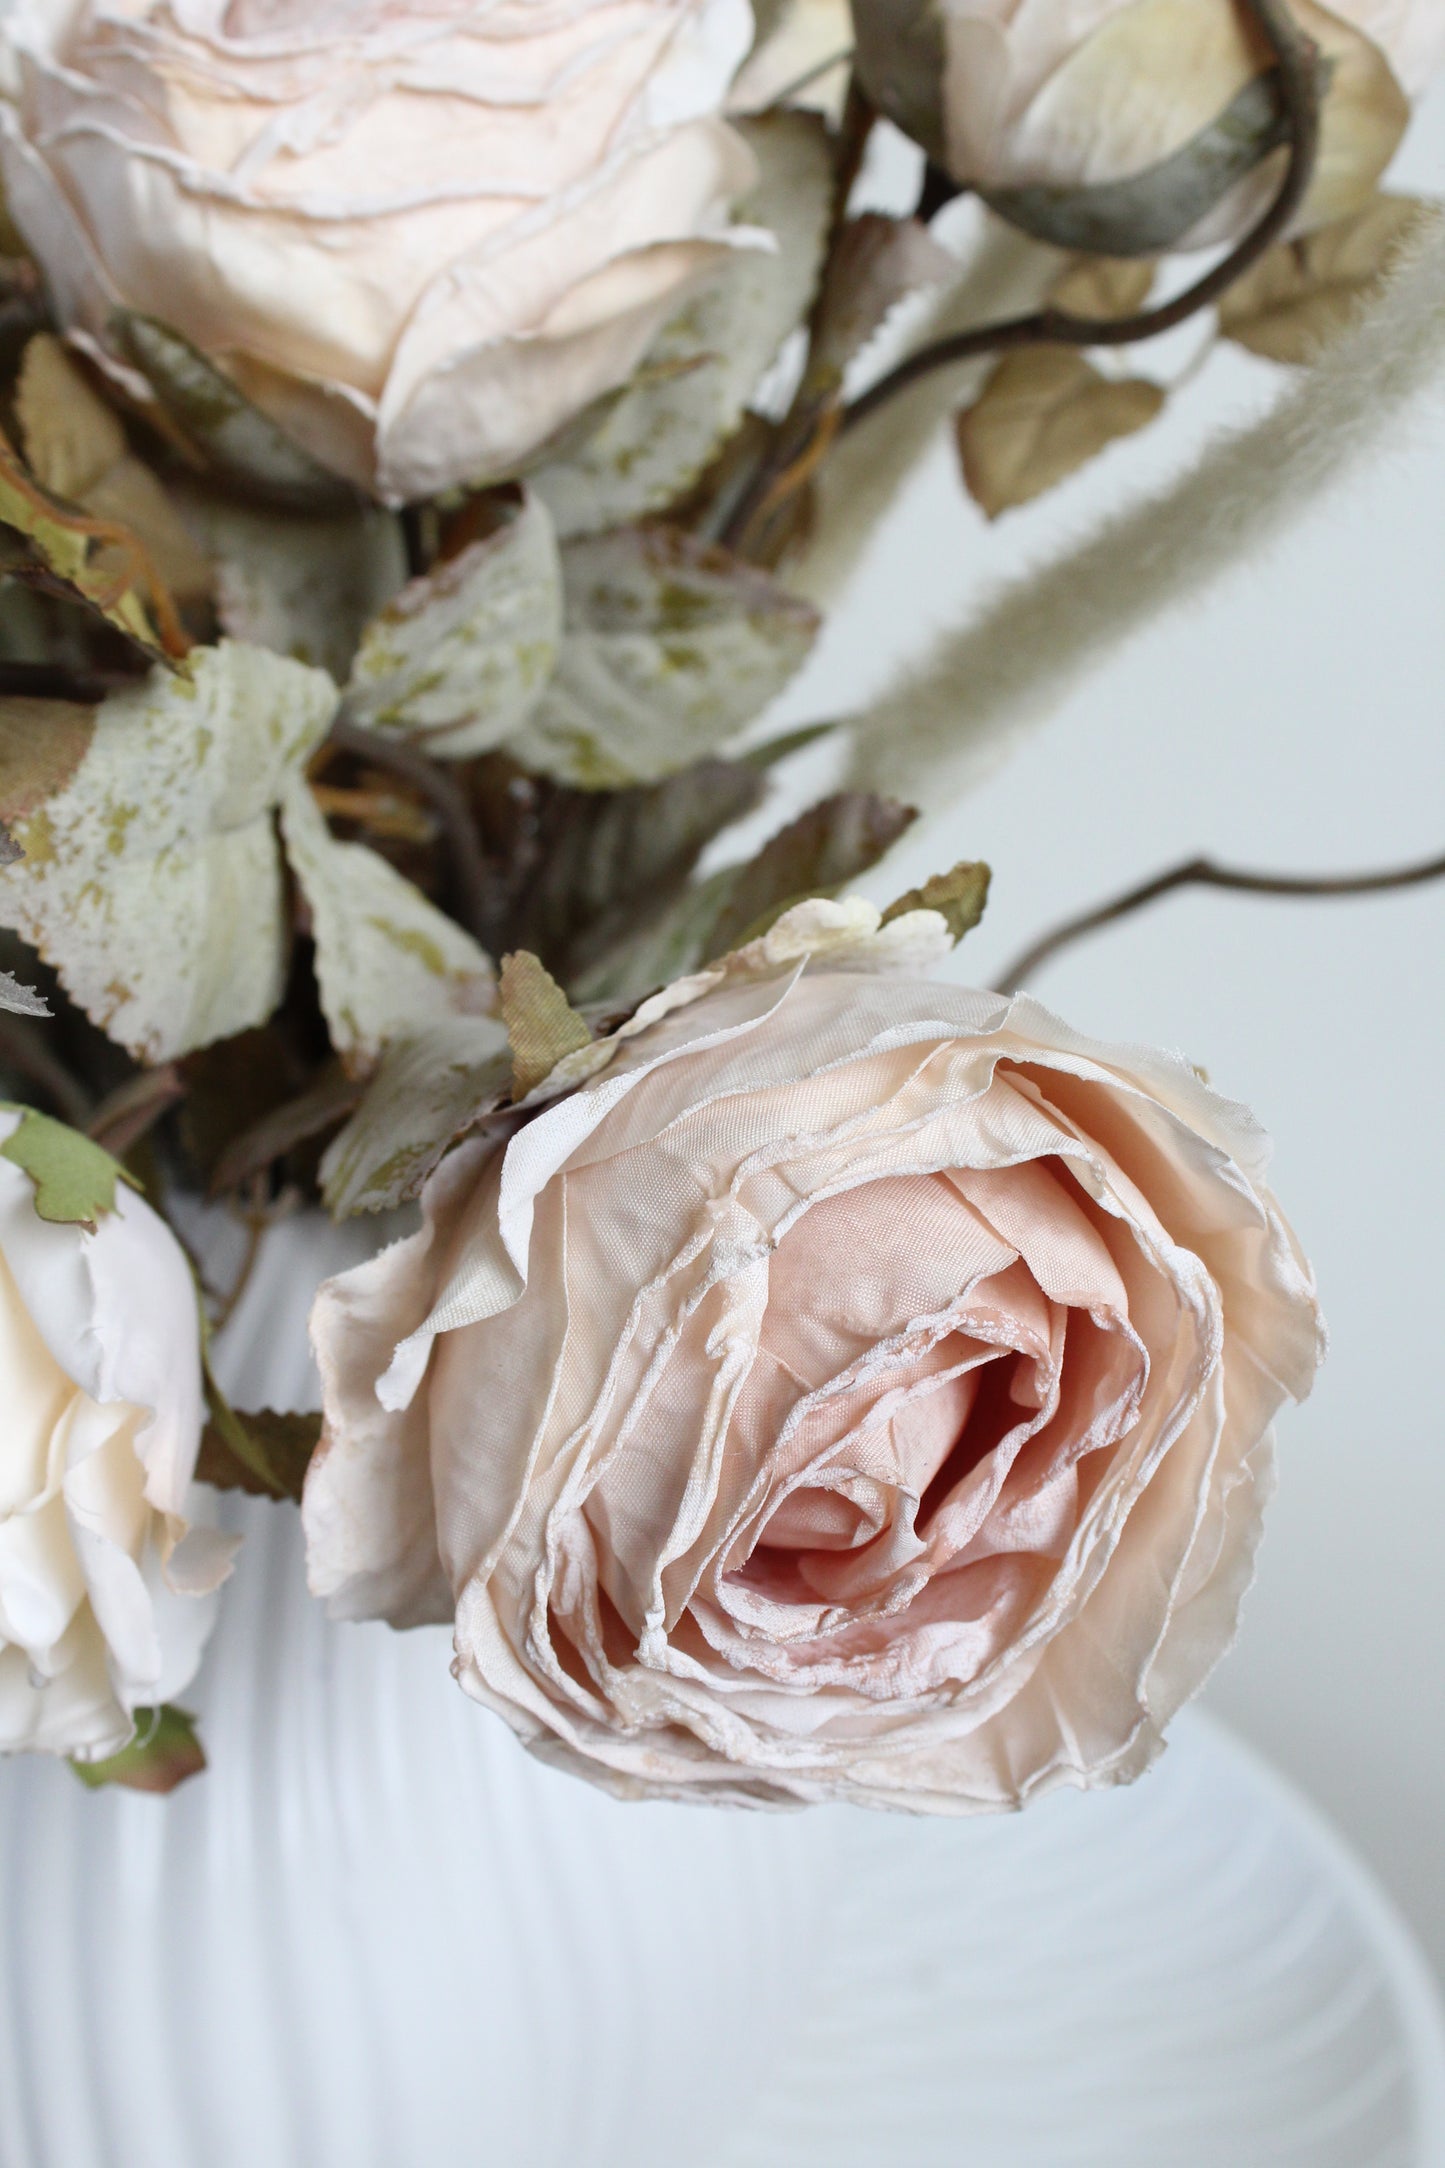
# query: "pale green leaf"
(671, 647)
(388, 963)
(456, 662)
(426, 1093)
(152, 880)
(658, 437)
(74, 1179)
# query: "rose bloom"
(103, 1585)
(423, 237)
(1035, 95)
(860, 1389)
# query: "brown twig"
(23, 1051)
(1296, 59)
(134, 1108)
(1205, 873)
(447, 800)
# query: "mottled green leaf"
(541, 1024)
(388, 962)
(656, 440)
(301, 584)
(958, 896)
(457, 661)
(426, 1093)
(152, 880)
(671, 647)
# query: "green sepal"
(164, 1752)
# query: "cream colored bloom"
(857, 1389)
(424, 237)
(103, 1585)
(1040, 95)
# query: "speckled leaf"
(1300, 297)
(302, 585)
(388, 962)
(427, 1092)
(671, 647)
(656, 440)
(237, 440)
(458, 660)
(1044, 413)
(151, 880)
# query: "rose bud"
(105, 1586)
(423, 240)
(1126, 127)
(859, 1389)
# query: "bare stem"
(1296, 59)
(1204, 873)
(447, 800)
(23, 1051)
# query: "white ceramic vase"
(375, 1934)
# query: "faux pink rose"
(1128, 126)
(423, 237)
(859, 1389)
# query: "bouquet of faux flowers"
(431, 434)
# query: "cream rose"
(860, 1389)
(423, 237)
(1035, 103)
(103, 1585)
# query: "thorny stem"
(1295, 57)
(1205, 873)
(447, 800)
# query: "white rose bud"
(423, 238)
(105, 1588)
(1130, 126)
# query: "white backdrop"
(1292, 718)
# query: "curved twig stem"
(1296, 60)
(1205, 873)
(447, 800)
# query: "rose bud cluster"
(859, 1389)
(423, 240)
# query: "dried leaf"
(283, 1127)
(387, 962)
(671, 647)
(235, 439)
(303, 585)
(282, 1445)
(21, 1000)
(656, 440)
(74, 1179)
(1303, 295)
(1104, 286)
(458, 660)
(958, 896)
(151, 880)
(77, 448)
(42, 743)
(95, 560)
(165, 1751)
(877, 263)
(1044, 413)
(541, 1024)
(815, 855)
(426, 1093)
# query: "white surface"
(1290, 718)
(376, 1935)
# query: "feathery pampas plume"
(954, 715)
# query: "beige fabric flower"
(423, 237)
(104, 1587)
(858, 1389)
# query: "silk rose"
(1129, 125)
(859, 1389)
(103, 1583)
(422, 237)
